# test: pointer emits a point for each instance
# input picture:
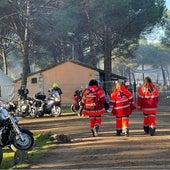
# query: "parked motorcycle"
(50, 105)
(11, 134)
(76, 105)
(11, 107)
(23, 106)
(37, 107)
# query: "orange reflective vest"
(148, 101)
(120, 102)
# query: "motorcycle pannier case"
(40, 96)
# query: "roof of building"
(81, 64)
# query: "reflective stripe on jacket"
(120, 103)
(148, 101)
(102, 98)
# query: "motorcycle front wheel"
(75, 109)
(55, 111)
(25, 144)
(33, 112)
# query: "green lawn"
(42, 145)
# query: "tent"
(138, 75)
(6, 87)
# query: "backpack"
(92, 99)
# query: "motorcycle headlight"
(31, 102)
(57, 99)
(24, 107)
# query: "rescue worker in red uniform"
(148, 98)
(121, 105)
(94, 113)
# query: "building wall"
(68, 75)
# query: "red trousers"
(94, 121)
(122, 123)
(149, 120)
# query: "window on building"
(34, 80)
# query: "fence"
(68, 91)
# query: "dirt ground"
(107, 151)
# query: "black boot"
(118, 132)
(92, 130)
(126, 132)
(96, 130)
(152, 131)
(146, 129)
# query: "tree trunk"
(91, 44)
(26, 65)
(107, 58)
(5, 70)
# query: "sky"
(168, 4)
(155, 36)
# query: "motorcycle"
(11, 107)
(76, 105)
(11, 134)
(37, 107)
(23, 106)
(50, 105)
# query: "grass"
(42, 145)
(66, 109)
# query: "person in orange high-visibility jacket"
(94, 114)
(121, 105)
(148, 98)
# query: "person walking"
(148, 98)
(121, 106)
(93, 100)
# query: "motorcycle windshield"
(56, 94)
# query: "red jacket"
(100, 110)
(121, 102)
(148, 101)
